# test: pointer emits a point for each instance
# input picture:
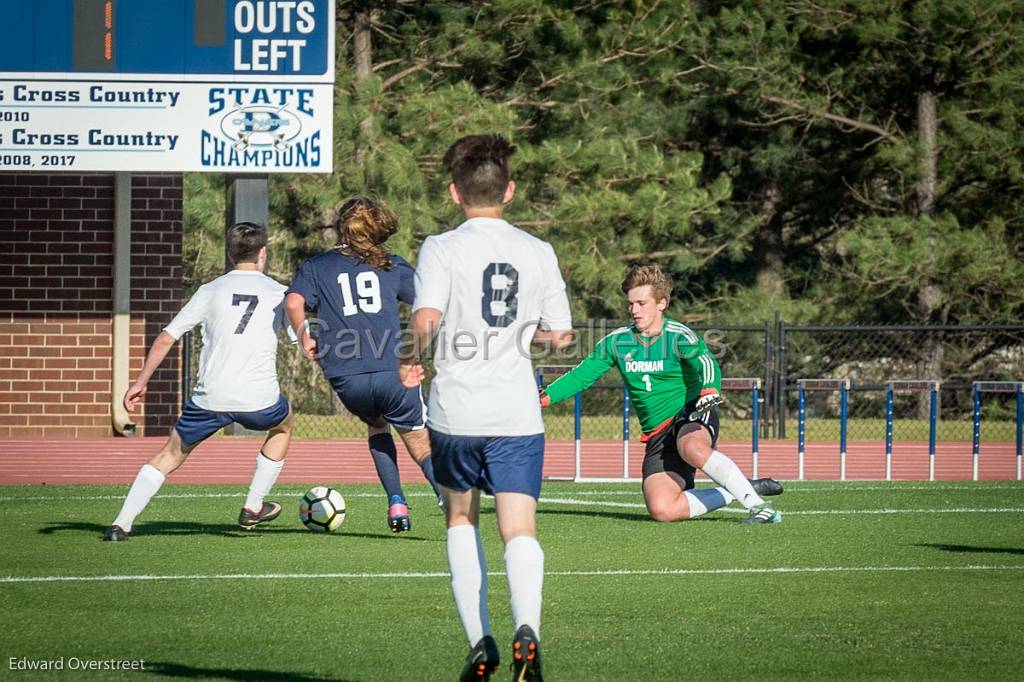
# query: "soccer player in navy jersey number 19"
(354, 291)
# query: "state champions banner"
(184, 85)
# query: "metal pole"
(888, 432)
(577, 429)
(843, 413)
(625, 431)
(1020, 425)
(781, 404)
(755, 414)
(976, 445)
(186, 368)
(767, 378)
(801, 430)
(933, 419)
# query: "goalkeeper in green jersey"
(673, 382)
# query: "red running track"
(231, 460)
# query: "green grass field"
(861, 580)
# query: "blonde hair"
(648, 275)
(364, 224)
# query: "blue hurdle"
(804, 385)
(918, 386)
(754, 386)
(557, 371)
(979, 387)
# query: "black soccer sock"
(385, 459)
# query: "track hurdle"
(917, 386)
(804, 385)
(977, 389)
(754, 386)
(557, 371)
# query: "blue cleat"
(763, 514)
(398, 515)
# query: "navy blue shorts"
(494, 464)
(375, 395)
(196, 424)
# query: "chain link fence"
(872, 356)
(778, 354)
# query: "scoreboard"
(166, 37)
(167, 85)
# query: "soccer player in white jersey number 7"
(241, 313)
(489, 290)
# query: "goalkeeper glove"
(709, 399)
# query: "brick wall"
(56, 296)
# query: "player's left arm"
(406, 280)
(554, 332)
(693, 351)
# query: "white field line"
(837, 488)
(938, 487)
(550, 574)
(803, 512)
(574, 502)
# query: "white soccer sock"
(469, 580)
(725, 473)
(703, 500)
(147, 482)
(524, 566)
(262, 481)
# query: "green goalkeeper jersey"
(662, 372)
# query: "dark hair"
(478, 165)
(648, 275)
(363, 226)
(244, 241)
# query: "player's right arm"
(157, 352)
(188, 317)
(583, 376)
(433, 286)
(300, 294)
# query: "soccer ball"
(322, 509)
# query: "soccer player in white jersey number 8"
(488, 290)
(673, 383)
(241, 313)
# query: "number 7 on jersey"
(252, 300)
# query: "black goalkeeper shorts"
(663, 455)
